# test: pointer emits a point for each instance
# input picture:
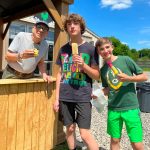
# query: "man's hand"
(47, 78)
(26, 54)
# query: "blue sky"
(127, 20)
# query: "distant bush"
(123, 49)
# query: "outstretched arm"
(135, 78)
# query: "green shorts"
(133, 123)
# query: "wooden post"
(1, 45)
(4, 40)
(60, 37)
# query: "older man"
(26, 51)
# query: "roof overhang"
(11, 10)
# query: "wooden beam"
(1, 45)
(25, 13)
(64, 1)
(68, 1)
(53, 12)
(60, 38)
(6, 29)
(1, 21)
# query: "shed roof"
(14, 9)
(11, 10)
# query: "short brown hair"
(101, 41)
(75, 18)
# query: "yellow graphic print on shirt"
(71, 72)
(112, 80)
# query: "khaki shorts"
(10, 73)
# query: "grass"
(146, 69)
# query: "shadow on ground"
(81, 146)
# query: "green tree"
(123, 49)
(134, 54)
(145, 53)
(119, 48)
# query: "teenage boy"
(123, 104)
(74, 80)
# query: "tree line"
(123, 49)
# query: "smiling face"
(40, 31)
(105, 51)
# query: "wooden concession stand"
(27, 119)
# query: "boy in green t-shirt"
(118, 76)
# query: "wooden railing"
(143, 64)
(27, 119)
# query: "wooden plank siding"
(27, 119)
(3, 116)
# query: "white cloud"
(116, 4)
(124, 43)
(144, 42)
(145, 30)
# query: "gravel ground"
(98, 129)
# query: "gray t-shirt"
(21, 42)
(75, 84)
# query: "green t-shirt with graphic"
(125, 97)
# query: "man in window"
(27, 51)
